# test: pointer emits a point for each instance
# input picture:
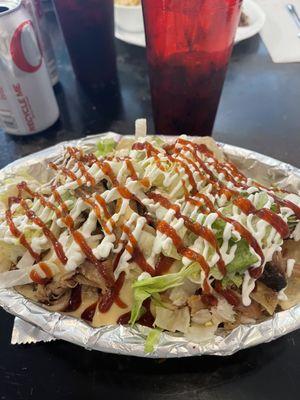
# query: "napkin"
(280, 31)
(25, 333)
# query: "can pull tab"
(25, 49)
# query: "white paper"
(280, 32)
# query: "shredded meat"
(195, 303)
(296, 270)
(245, 315)
(98, 188)
(89, 275)
(59, 287)
(253, 311)
(54, 290)
(244, 20)
(141, 209)
(274, 273)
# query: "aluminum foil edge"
(130, 341)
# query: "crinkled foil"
(25, 333)
(130, 341)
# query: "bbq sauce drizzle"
(244, 204)
(99, 206)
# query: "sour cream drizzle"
(193, 190)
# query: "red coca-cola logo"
(25, 48)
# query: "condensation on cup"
(27, 101)
(34, 7)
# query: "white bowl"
(129, 18)
(255, 13)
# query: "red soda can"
(35, 10)
(27, 101)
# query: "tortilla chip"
(291, 249)
(212, 145)
(292, 292)
(126, 143)
(266, 297)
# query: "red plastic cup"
(88, 28)
(189, 43)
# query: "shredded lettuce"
(9, 253)
(152, 340)
(31, 233)
(171, 251)
(215, 273)
(145, 288)
(227, 209)
(157, 140)
(292, 222)
(8, 186)
(243, 258)
(177, 320)
(139, 296)
(219, 226)
(237, 280)
(273, 207)
(105, 147)
(262, 200)
(234, 279)
(156, 299)
(70, 198)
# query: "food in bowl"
(165, 234)
(244, 20)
